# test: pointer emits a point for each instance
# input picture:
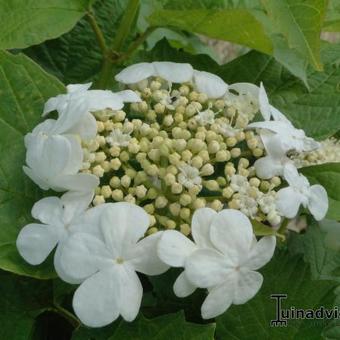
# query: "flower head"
(189, 176)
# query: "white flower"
(210, 84)
(75, 106)
(229, 272)
(170, 71)
(118, 138)
(189, 176)
(53, 162)
(301, 192)
(273, 163)
(58, 216)
(174, 248)
(239, 183)
(106, 262)
(205, 117)
(227, 130)
(291, 138)
(247, 89)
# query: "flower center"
(119, 260)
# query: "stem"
(106, 73)
(72, 319)
(125, 26)
(98, 32)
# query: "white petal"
(96, 302)
(36, 241)
(207, 268)
(245, 88)
(210, 84)
(46, 127)
(103, 99)
(200, 226)
(183, 287)
(268, 167)
(318, 202)
(135, 73)
(131, 292)
(79, 182)
(35, 145)
(129, 96)
(73, 88)
(288, 202)
(36, 178)
(272, 125)
(231, 232)
(261, 252)
(143, 256)
(174, 248)
(86, 128)
(49, 210)
(273, 144)
(247, 285)
(54, 103)
(279, 116)
(174, 72)
(264, 103)
(123, 224)
(83, 255)
(291, 175)
(76, 156)
(75, 204)
(218, 300)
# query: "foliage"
(45, 45)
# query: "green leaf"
(261, 229)
(21, 300)
(29, 22)
(300, 22)
(163, 327)
(332, 21)
(285, 274)
(76, 57)
(24, 87)
(328, 175)
(242, 27)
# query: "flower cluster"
(189, 156)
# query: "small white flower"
(118, 138)
(291, 138)
(273, 163)
(59, 217)
(106, 261)
(174, 248)
(227, 130)
(189, 176)
(170, 71)
(53, 162)
(301, 192)
(239, 183)
(229, 272)
(205, 117)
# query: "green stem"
(72, 319)
(283, 228)
(97, 31)
(125, 25)
(106, 73)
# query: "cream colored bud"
(179, 116)
(119, 116)
(243, 172)
(168, 120)
(140, 178)
(172, 169)
(199, 203)
(194, 190)
(265, 186)
(179, 144)
(93, 145)
(186, 155)
(98, 199)
(234, 204)
(202, 98)
(193, 95)
(144, 145)
(235, 152)
(98, 171)
(86, 165)
(130, 199)
(114, 151)
(159, 108)
(273, 218)
(240, 136)
(204, 154)
(169, 179)
(200, 135)
(157, 95)
(176, 188)
(222, 156)
(216, 205)
(161, 202)
(231, 141)
(184, 213)
(221, 181)
(115, 182)
(185, 199)
(155, 85)
(252, 143)
(133, 148)
(141, 85)
(174, 158)
(137, 123)
(254, 182)
(100, 126)
(109, 125)
(142, 106)
(141, 191)
(141, 157)
(196, 145)
(149, 208)
(106, 166)
(106, 191)
(185, 229)
(243, 163)
(229, 170)
(257, 152)
(154, 154)
(152, 170)
(152, 193)
(175, 209)
(101, 140)
(152, 230)
(115, 163)
(190, 110)
(184, 90)
(197, 162)
(170, 224)
(219, 104)
(212, 185)
(125, 181)
(124, 156)
(276, 181)
(213, 146)
(227, 192)
(207, 170)
(210, 136)
(176, 132)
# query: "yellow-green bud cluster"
(177, 151)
